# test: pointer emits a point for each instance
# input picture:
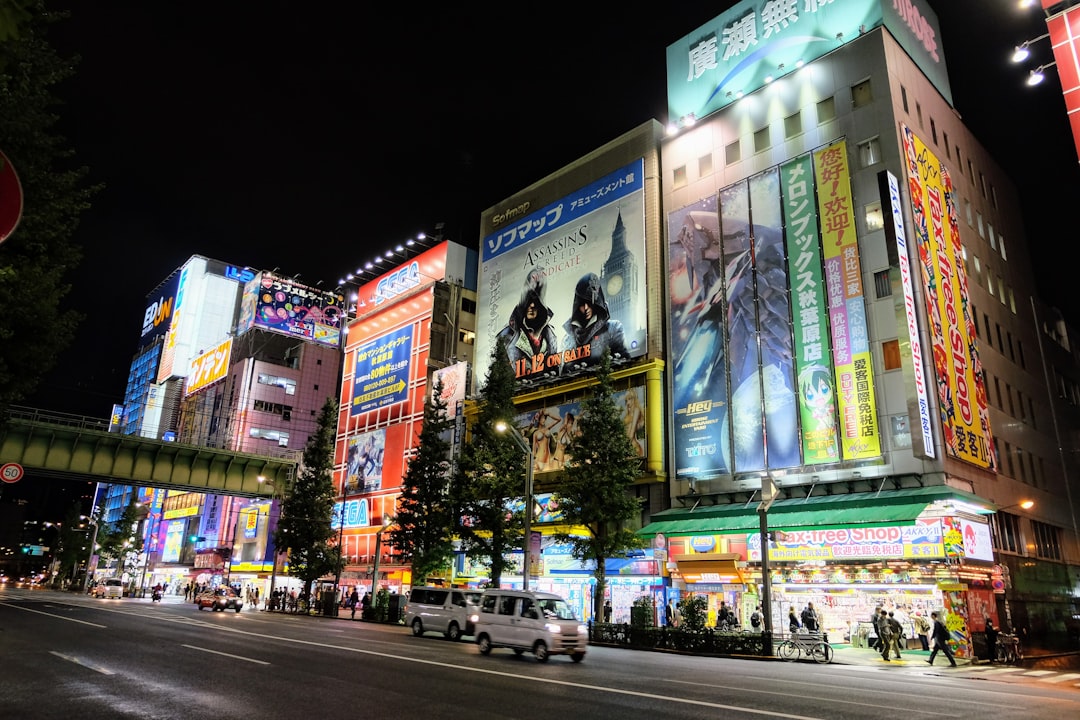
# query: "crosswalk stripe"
(1001, 670)
(1063, 677)
(1039, 673)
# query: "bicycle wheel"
(1019, 651)
(787, 650)
(822, 652)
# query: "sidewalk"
(847, 655)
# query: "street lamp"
(93, 544)
(387, 519)
(504, 427)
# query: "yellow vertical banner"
(964, 413)
(859, 436)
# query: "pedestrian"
(365, 606)
(723, 616)
(875, 642)
(897, 632)
(792, 621)
(755, 619)
(669, 614)
(810, 618)
(678, 615)
(940, 634)
(354, 600)
(922, 629)
(885, 632)
(607, 611)
(991, 640)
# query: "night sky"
(313, 137)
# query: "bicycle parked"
(812, 645)
(1009, 649)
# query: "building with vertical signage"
(854, 359)
(411, 322)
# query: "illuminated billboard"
(962, 402)
(282, 305)
(364, 464)
(756, 41)
(158, 314)
(560, 286)
(427, 267)
(771, 360)
(209, 367)
(381, 371)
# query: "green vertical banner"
(813, 364)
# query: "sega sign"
(397, 282)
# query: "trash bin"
(328, 601)
(397, 604)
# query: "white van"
(439, 609)
(538, 622)
(110, 589)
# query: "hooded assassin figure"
(529, 332)
(590, 326)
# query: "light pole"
(93, 543)
(506, 428)
(270, 539)
(387, 519)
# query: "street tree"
(424, 517)
(120, 540)
(491, 474)
(71, 546)
(304, 529)
(595, 492)
(38, 258)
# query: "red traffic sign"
(11, 198)
(11, 472)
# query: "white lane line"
(53, 615)
(77, 661)
(1039, 673)
(1002, 671)
(1063, 677)
(230, 655)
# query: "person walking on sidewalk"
(922, 629)
(896, 631)
(875, 619)
(885, 635)
(941, 640)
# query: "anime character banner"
(364, 467)
(965, 417)
(859, 434)
(813, 362)
(566, 283)
(281, 305)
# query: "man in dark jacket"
(591, 328)
(529, 332)
(941, 640)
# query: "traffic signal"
(196, 538)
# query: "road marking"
(77, 661)
(1003, 670)
(1039, 673)
(1063, 677)
(216, 652)
(53, 615)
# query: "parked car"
(220, 599)
(109, 588)
(443, 610)
(538, 622)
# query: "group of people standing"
(889, 634)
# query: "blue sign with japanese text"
(382, 371)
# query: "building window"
(705, 165)
(1047, 540)
(918, 113)
(1020, 404)
(1020, 465)
(826, 110)
(882, 285)
(945, 139)
(468, 305)
(1008, 459)
(792, 125)
(1001, 289)
(875, 220)
(967, 209)
(1009, 342)
(761, 139)
(1001, 247)
(982, 185)
(960, 167)
(933, 130)
(1031, 413)
(276, 381)
(993, 195)
(990, 232)
(997, 389)
(978, 267)
(861, 96)
(679, 179)
(903, 98)
(870, 152)
(1006, 533)
(971, 170)
(890, 350)
(281, 438)
(466, 337)
(1009, 394)
(981, 226)
(986, 323)
(732, 153)
(1020, 352)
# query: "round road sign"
(11, 472)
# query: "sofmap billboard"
(566, 283)
(962, 404)
(757, 41)
(282, 305)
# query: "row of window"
(1046, 539)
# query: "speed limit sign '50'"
(11, 472)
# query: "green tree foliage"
(695, 613)
(594, 494)
(38, 257)
(304, 530)
(121, 540)
(425, 518)
(72, 547)
(491, 474)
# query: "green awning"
(881, 508)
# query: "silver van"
(440, 609)
(526, 621)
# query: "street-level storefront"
(909, 551)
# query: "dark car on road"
(221, 599)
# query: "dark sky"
(310, 138)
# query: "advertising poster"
(208, 368)
(382, 371)
(174, 541)
(454, 379)
(813, 352)
(860, 437)
(283, 305)
(962, 403)
(364, 468)
(922, 541)
(567, 283)
(695, 287)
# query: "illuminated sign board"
(159, 312)
(382, 371)
(281, 305)
(924, 540)
(355, 514)
(429, 266)
(560, 286)
(209, 367)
